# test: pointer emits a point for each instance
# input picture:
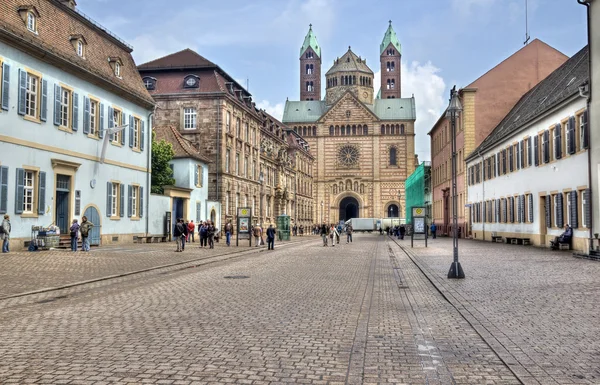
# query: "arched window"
(354, 130)
(388, 84)
(337, 130)
(354, 79)
(369, 81)
(393, 83)
(362, 188)
(348, 185)
(392, 66)
(387, 67)
(335, 190)
(308, 69)
(365, 130)
(392, 211)
(382, 129)
(392, 156)
(341, 186)
(331, 130)
(314, 131)
(356, 186)
(387, 128)
(393, 130)
(303, 131)
(343, 130)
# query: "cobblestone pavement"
(22, 272)
(359, 313)
(537, 308)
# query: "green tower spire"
(310, 41)
(389, 37)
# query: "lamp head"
(455, 106)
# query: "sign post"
(244, 215)
(419, 224)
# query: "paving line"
(511, 362)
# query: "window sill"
(32, 119)
(115, 218)
(136, 219)
(116, 144)
(65, 129)
(93, 136)
(29, 215)
(135, 149)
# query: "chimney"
(69, 3)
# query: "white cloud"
(423, 81)
(275, 110)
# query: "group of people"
(257, 233)
(184, 231)
(298, 230)
(332, 233)
(83, 229)
(397, 231)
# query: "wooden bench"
(518, 241)
(496, 238)
(159, 238)
(150, 239)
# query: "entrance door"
(93, 216)
(63, 184)
(393, 211)
(349, 209)
(177, 210)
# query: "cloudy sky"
(444, 42)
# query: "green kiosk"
(283, 227)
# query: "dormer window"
(79, 48)
(79, 45)
(29, 15)
(117, 65)
(191, 81)
(149, 83)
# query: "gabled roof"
(182, 59)
(182, 147)
(390, 37)
(349, 63)
(558, 87)
(307, 111)
(310, 40)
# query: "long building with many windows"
(529, 177)
(74, 125)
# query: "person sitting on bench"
(563, 238)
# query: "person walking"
(256, 232)
(270, 237)
(203, 234)
(332, 234)
(179, 233)
(191, 230)
(339, 232)
(402, 231)
(228, 232)
(84, 229)
(349, 230)
(324, 233)
(433, 229)
(211, 235)
(186, 234)
(5, 233)
(74, 230)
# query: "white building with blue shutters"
(529, 177)
(68, 86)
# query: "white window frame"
(227, 159)
(554, 149)
(581, 132)
(247, 129)
(65, 107)
(32, 94)
(79, 48)
(228, 122)
(117, 116)
(189, 118)
(29, 192)
(584, 209)
(94, 117)
(200, 175)
(237, 163)
(238, 128)
(31, 22)
(114, 192)
(134, 201)
(554, 210)
(117, 69)
(136, 132)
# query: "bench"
(150, 239)
(518, 241)
(564, 246)
(496, 238)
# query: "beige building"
(363, 145)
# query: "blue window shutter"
(547, 207)
(558, 141)
(536, 152)
(123, 132)
(129, 200)
(559, 210)
(141, 209)
(108, 198)
(86, 115)
(44, 105)
(584, 118)
(571, 127)
(57, 91)
(42, 193)
(5, 85)
(22, 91)
(101, 129)
(3, 189)
(573, 220)
(19, 191)
(122, 205)
(588, 212)
(546, 146)
(142, 136)
(110, 117)
(131, 130)
(529, 152)
(75, 111)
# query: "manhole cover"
(237, 276)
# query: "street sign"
(419, 224)
(244, 215)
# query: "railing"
(100, 26)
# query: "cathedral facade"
(363, 143)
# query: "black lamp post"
(453, 111)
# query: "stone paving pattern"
(539, 307)
(360, 313)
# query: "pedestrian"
(301, 230)
(349, 230)
(257, 232)
(339, 233)
(191, 230)
(228, 232)
(186, 234)
(402, 231)
(324, 233)
(433, 229)
(211, 235)
(84, 229)
(332, 234)
(270, 237)
(179, 233)
(5, 233)
(203, 233)
(74, 229)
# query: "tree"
(162, 174)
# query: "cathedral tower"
(310, 68)
(390, 55)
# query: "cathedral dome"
(349, 63)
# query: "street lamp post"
(453, 111)
(261, 180)
(321, 211)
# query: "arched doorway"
(94, 235)
(393, 211)
(349, 209)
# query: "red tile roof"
(181, 59)
(182, 147)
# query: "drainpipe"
(148, 169)
(483, 193)
(218, 158)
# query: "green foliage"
(162, 175)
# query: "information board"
(244, 216)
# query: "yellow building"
(363, 145)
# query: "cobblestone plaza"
(374, 311)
